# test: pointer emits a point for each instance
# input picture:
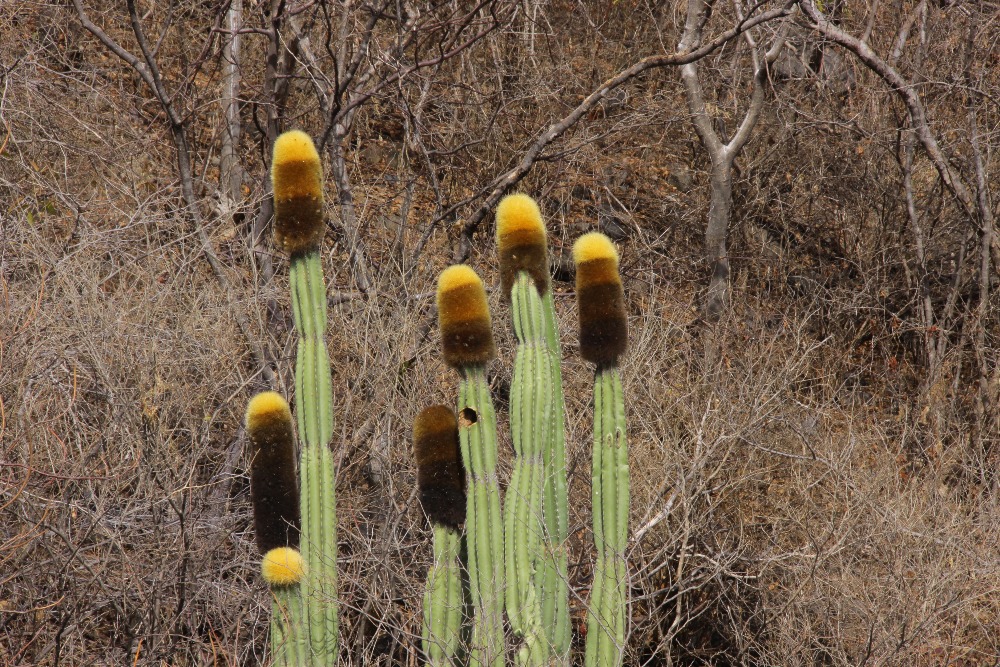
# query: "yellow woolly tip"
(521, 243)
(592, 246)
(294, 146)
(464, 317)
(282, 566)
(265, 409)
(457, 277)
(518, 213)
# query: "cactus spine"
(603, 338)
(298, 203)
(538, 431)
(442, 493)
(467, 346)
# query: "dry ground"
(804, 491)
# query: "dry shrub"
(804, 492)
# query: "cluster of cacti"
(304, 626)
(516, 560)
(533, 576)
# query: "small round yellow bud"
(282, 566)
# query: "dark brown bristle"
(523, 250)
(464, 318)
(274, 491)
(603, 322)
(299, 224)
(440, 476)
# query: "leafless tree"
(969, 188)
(230, 169)
(723, 152)
(147, 68)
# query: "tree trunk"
(716, 231)
(231, 173)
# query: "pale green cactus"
(467, 346)
(538, 509)
(530, 414)
(298, 203)
(553, 575)
(603, 338)
(442, 494)
(441, 631)
(274, 492)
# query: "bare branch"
(697, 16)
(514, 175)
(907, 93)
(151, 75)
(742, 135)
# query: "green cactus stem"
(289, 639)
(553, 573)
(522, 249)
(318, 478)
(477, 435)
(610, 495)
(530, 416)
(603, 339)
(467, 345)
(441, 633)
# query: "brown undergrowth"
(806, 488)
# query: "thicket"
(813, 472)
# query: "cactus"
(298, 226)
(539, 507)
(275, 497)
(554, 571)
(467, 345)
(304, 621)
(442, 493)
(603, 339)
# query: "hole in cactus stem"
(467, 417)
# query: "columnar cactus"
(274, 493)
(534, 581)
(298, 225)
(603, 339)
(467, 345)
(442, 493)
(536, 566)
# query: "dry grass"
(803, 491)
